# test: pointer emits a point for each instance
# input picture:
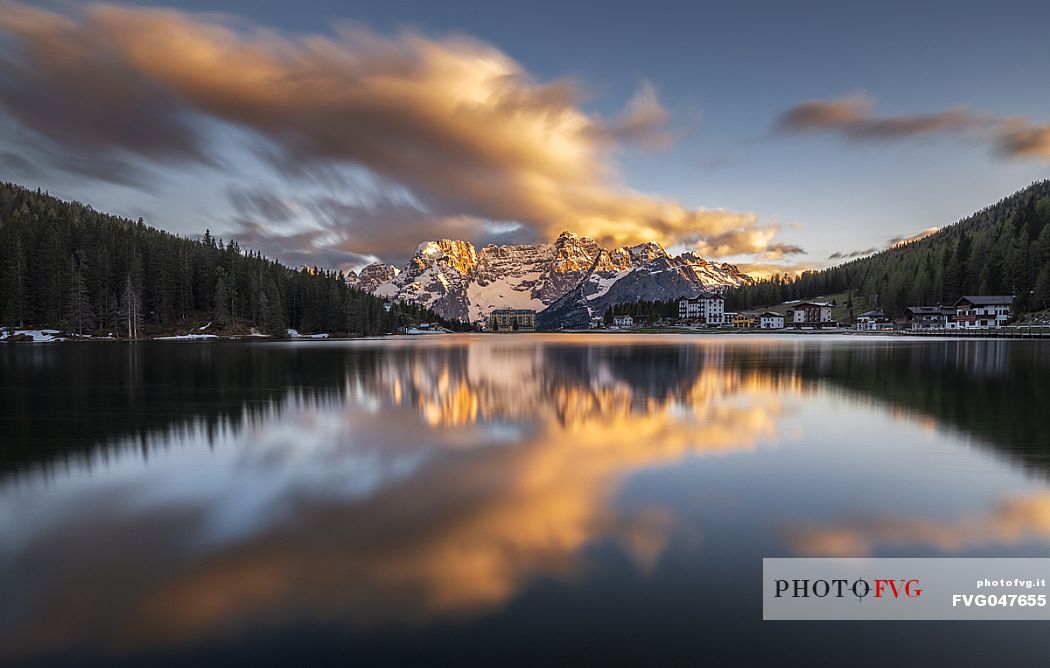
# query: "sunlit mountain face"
(382, 494)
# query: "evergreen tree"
(79, 314)
(131, 309)
(222, 301)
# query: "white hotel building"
(709, 307)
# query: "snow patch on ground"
(386, 290)
(294, 334)
(186, 337)
(38, 335)
(504, 293)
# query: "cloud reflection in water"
(443, 483)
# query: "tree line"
(652, 310)
(1003, 249)
(65, 265)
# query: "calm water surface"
(502, 499)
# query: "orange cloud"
(457, 122)
(1011, 522)
(761, 270)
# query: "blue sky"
(723, 75)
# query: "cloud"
(1018, 139)
(900, 241)
(1012, 521)
(849, 255)
(893, 242)
(853, 117)
(456, 122)
(331, 230)
(768, 269)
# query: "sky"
(778, 136)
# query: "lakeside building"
(771, 320)
(969, 312)
(812, 314)
(744, 320)
(983, 311)
(623, 321)
(930, 317)
(873, 321)
(512, 320)
(707, 307)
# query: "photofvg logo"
(839, 588)
(896, 589)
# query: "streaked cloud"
(457, 123)
(900, 241)
(850, 255)
(890, 243)
(854, 118)
(1018, 139)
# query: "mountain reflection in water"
(158, 496)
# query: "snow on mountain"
(573, 273)
(712, 274)
(645, 253)
(436, 278)
(374, 275)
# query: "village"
(969, 314)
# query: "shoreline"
(56, 336)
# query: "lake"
(472, 499)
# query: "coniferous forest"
(65, 265)
(1003, 249)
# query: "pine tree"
(19, 284)
(79, 314)
(222, 300)
(131, 309)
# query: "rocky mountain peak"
(693, 258)
(374, 275)
(621, 258)
(645, 253)
(460, 255)
(574, 253)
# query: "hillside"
(65, 265)
(1002, 249)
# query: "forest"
(651, 310)
(67, 266)
(1002, 249)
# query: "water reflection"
(1013, 520)
(359, 507)
(217, 488)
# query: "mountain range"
(567, 281)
